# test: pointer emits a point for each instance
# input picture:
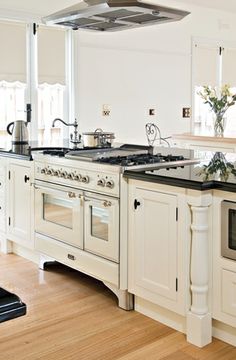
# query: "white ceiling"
(37, 7)
(225, 5)
(45, 7)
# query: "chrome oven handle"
(107, 203)
(82, 198)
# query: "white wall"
(144, 68)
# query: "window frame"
(199, 41)
(32, 79)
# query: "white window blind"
(51, 55)
(229, 67)
(205, 65)
(13, 52)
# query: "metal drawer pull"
(71, 194)
(71, 257)
(107, 203)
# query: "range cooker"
(81, 208)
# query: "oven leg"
(125, 299)
(43, 259)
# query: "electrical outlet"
(151, 112)
(106, 110)
(186, 112)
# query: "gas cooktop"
(132, 157)
(139, 159)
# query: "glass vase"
(219, 125)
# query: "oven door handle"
(104, 203)
(49, 190)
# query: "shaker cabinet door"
(20, 212)
(153, 245)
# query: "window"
(51, 83)
(12, 76)
(213, 65)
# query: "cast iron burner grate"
(140, 159)
(53, 152)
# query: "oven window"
(58, 211)
(99, 222)
(232, 229)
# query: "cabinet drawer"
(228, 279)
(93, 265)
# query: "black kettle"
(19, 132)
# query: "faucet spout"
(58, 119)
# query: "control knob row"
(102, 182)
(65, 175)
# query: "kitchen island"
(168, 225)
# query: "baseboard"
(224, 332)
(158, 313)
(220, 330)
(25, 253)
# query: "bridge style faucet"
(75, 138)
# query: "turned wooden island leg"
(199, 320)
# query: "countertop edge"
(16, 156)
(189, 184)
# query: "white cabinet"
(229, 292)
(224, 269)
(20, 203)
(153, 245)
(3, 203)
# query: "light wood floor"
(74, 317)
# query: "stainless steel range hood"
(113, 15)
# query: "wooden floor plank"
(71, 316)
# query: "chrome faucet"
(75, 138)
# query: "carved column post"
(199, 327)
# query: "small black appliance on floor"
(11, 306)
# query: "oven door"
(58, 213)
(101, 224)
(228, 229)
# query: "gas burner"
(56, 152)
(139, 159)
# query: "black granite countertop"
(214, 171)
(25, 151)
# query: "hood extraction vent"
(113, 15)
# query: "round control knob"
(85, 179)
(43, 171)
(69, 176)
(101, 182)
(56, 173)
(64, 174)
(60, 173)
(47, 171)
(110, 184)
(77, 177)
